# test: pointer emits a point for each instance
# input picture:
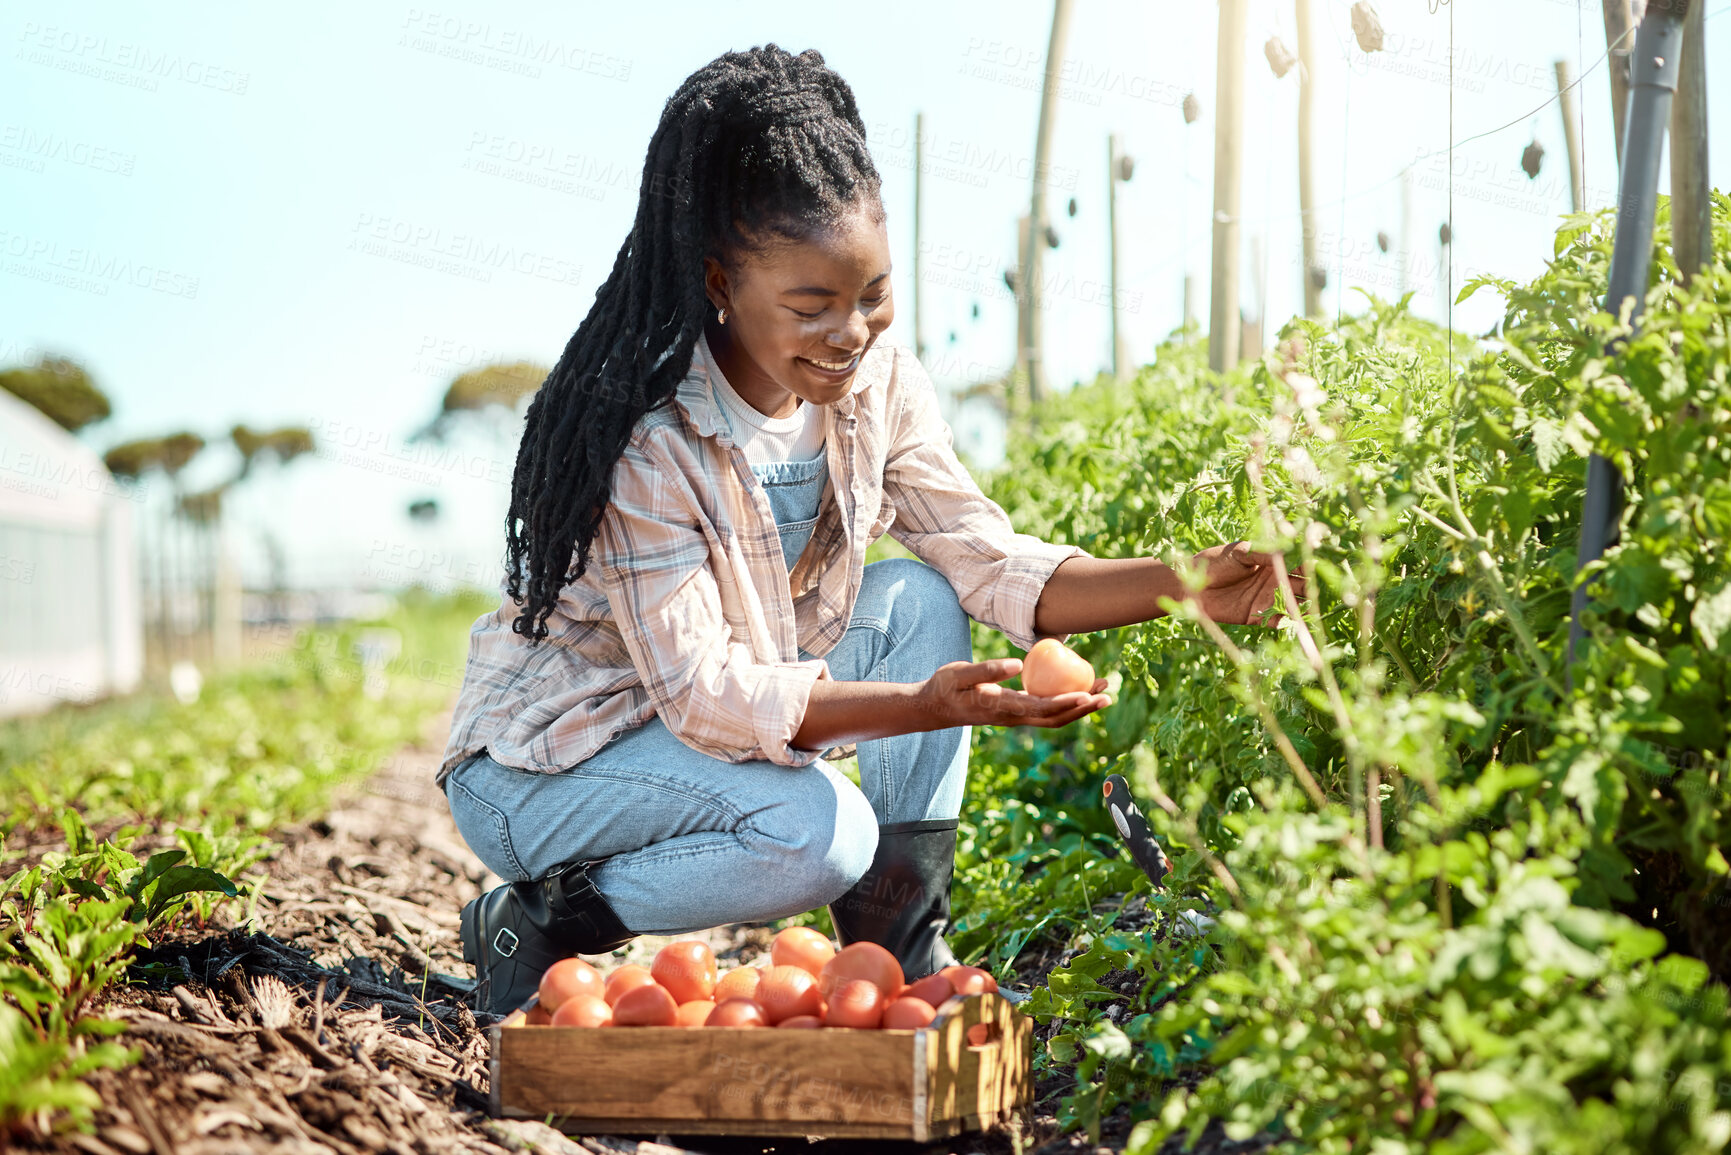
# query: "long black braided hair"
(754, 145)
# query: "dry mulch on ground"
(333, 1023)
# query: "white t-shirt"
(764, 439)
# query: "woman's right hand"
(968, 694)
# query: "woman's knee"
(482, 825)
(826, 842)
(918, 596)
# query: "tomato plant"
(1463, 896)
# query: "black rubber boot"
(903, 902)
(513, 933)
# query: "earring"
(721, 317)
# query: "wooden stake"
(1691, 206)
(1038, 221)
(1120, 355)
(1306, 182)
(1228, 113)
(1618, 20)
(1571, 137)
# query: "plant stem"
(1264, 711)
(1307, 640)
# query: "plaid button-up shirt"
(687, 609)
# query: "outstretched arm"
(1096, 593)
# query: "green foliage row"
(1463, 892)
(262, 746)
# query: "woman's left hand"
(1243, 585)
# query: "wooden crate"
(836, 1083)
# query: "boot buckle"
(499, 943)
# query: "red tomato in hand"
(645, 1006)
(583, 1011)
(736, 1013)
(803, 947)
(908, 1014)
(786, 992)
(855, 1003)
(626, 978)
(686, 969)
(1052, 668)
(862, 960)
(566, 978)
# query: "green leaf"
(1107, 1041)
(1711, 617)
(178, 881)
(159, 862)
(84, 888)
(1484, 1086)
(1549, 443)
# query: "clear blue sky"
(321, 215)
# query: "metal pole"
(1571, 137)
(1691, 207)
(1652, 84)
(1306, 183)
(1618, 20)
(1120, 357)
(919, 166)
(1038, 223)
(1228, 100)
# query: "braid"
(754, 143)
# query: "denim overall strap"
(794, 489)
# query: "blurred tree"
(505, 385)
(202, 510)
(61, 389)
(133, 459)
(424, 510)
(284, 444)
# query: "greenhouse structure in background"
(71, 627)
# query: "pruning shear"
(1134, 829)
(1139, 837)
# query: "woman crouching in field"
(688, 624)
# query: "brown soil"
(330, 1019)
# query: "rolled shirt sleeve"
(707, 686)
(944, 519)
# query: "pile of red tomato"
(807, 984)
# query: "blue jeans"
(690, 841)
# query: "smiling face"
(801, 313)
